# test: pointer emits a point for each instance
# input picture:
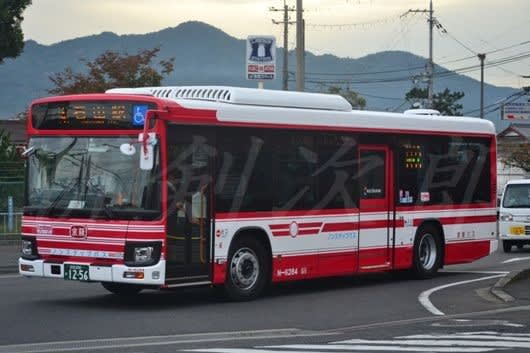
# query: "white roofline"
(257, 106)
(245, 96)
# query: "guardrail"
(10, 228)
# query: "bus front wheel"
(122, 289)
(507, 246)
(427, 252)
(248, 269)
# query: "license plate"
(517, 230)
(76, 272)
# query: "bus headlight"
(142, 253)
(506, 217)
(29, 248)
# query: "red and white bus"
(181, 186)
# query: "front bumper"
(153, 275)
(514, 231)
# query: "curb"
(498, 288)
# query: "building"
(514, 134)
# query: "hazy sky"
(479, 25)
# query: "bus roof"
(285, 108)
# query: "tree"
(12, 164)
(8, 151)
(354, 98)
(516, 154)
(11, 36)
(446, 102)
(112, 69)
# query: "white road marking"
(473, 336)
(461, 342)
(477, 272)
(515, 259)
(148, 341)
(424, 296)
(449, 343)
(243, 350)
(333, 348)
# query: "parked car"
(514, 214)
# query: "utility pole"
(286, 9)
(430, 69)
(482, 57)
(300, 47)
(430, 63)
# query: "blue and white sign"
(139, 113)
(261, 58)
(516, 111)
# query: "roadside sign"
(516, 111)
(261, 58)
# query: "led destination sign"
(90, 115)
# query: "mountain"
(206, 55)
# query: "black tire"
(248, 269)
(506, 246)
(122, 289)
(427, 252)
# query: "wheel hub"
(244, 268)
(428, 251)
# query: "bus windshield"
(90, 177)
(517, 196)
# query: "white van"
(514, 214)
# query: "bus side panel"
(402, 257)
(463, 252)
(286, 268)
(338, 264)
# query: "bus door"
(190, 153)
(376, 207)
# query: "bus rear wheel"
(248, 269)
(122, 289)
(427, 252)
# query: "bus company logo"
(343, 236)
(44, 229)
(261, 49)
(293, 229)
(78, 232)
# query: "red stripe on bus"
(461, 220)
(284, 233)
(470, 206)
(300, 225)
(335, 227)
(266, 214)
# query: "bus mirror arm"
(148, 117)
(148, 139)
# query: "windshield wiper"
(59, 197)
(77, 183)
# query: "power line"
(443, 74)
(354, 25)
(512, 97)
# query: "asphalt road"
(369, 313)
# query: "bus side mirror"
(147, 152)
